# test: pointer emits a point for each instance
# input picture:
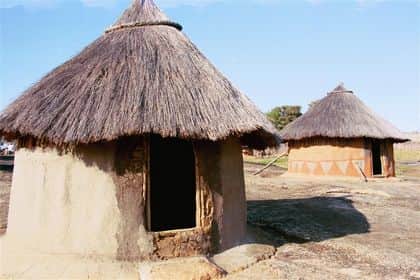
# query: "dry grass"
(282, 162)
(407, 155)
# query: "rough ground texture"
(194, 268)
(334, 229)
(315, 229)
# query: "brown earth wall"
(329, 157)
(338, 157)
(92, 200)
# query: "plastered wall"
(221, 169)
(93, 201)
(387, 156)
(329, 157)
(233, 228)
(62, 204)
(388, 160)
(338, 157)
(88, 201)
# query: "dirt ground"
(324, 229)
(335, 229)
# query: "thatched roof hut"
(142, 76)
(132, 148)
(335, 123)
(341, 115)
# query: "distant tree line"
(283, 115)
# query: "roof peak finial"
(144, 2)
(340, 89)
(142, 13)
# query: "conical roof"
(341, 115)
(143, 75)
(143, 13)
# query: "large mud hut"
(341, 136)
(132, 149)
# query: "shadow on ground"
(276, 222)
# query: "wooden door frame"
(198, 192)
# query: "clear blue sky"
(277, 52)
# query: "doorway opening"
(172, 184)
(376, 158)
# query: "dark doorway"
(376, 158)
(172, 184)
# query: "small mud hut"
(341, 136)
(132, 149)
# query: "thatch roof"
(143, 75)
(341, 115)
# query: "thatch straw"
(146, 78)
(341, 115)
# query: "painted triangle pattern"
(300, 166)
(311, 166)
(343, 165)
(359, 163)
(293, 166)
(305, 168)
(296, 166)
(318, 170)
(334, 168)
(326, 166)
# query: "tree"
(283, 115)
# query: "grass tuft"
(282, 162)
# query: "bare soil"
(334, 228)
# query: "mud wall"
(87, 201)
(330, 157)
(220, 168)
(64, 203)
(92, 200)
(387, 157)
(233, 226)
(130, 179)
